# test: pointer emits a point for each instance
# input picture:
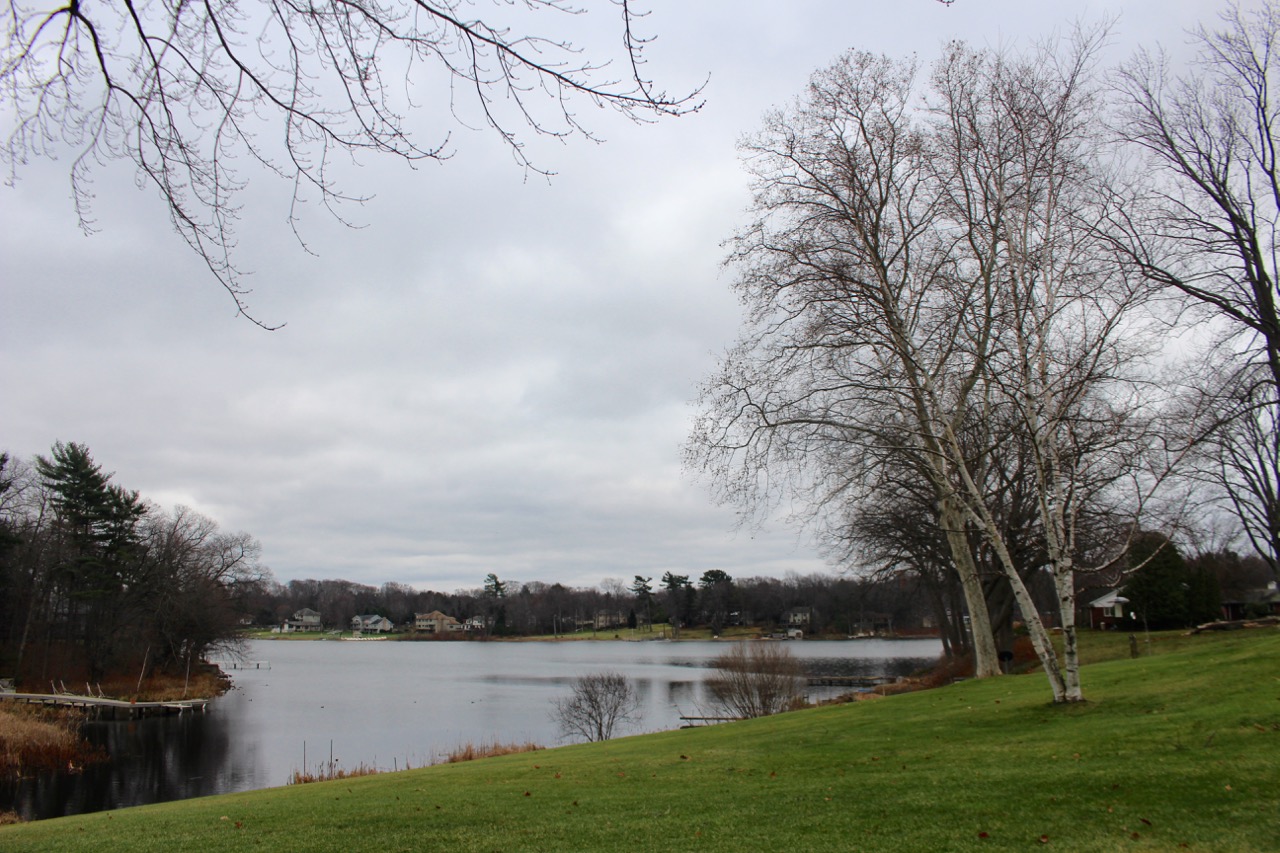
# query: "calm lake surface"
(396, 704)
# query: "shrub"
(599, 702)
(757, 679)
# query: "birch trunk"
(1064, 583)
(1040, 638)
(986, 662)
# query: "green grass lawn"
(1179, 750)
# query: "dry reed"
(34, 738)
(470, 751)
(330, 770)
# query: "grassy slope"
(1176, 749)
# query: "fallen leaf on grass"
(984, 835)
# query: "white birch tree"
(927, 258)
(852, 353)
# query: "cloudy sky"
(494, 373)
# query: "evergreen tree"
(1204, 596)
(717, 597)
(644, 594)
(495, 591)
(1158, 589)
(98, 551)
(678, 589)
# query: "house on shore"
(371, 623)
(1252, 603)
(436, 623)
(305, 619)
(798, 617)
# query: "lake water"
(395, 704)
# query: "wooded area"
(96, 581)
(961, 280)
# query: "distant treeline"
(816, 603)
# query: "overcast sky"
(494, 374)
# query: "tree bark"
(986, 661)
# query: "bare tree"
(849, 357)
(1208, 232)
(757, 679)
(924, 282)
(190, 92)
(600, 702)
(1068, 339)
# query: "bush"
(599, 702)
(757, 679)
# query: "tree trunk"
(1064, 583)
(1035, 625)
(986, 662)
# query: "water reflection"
(683, 692)
(395, 704)
(153, 760)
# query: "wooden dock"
(851, 681)
(225, 665)
(695, 722)
(103, 708)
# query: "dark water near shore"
(392, 705)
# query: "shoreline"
(410, 637)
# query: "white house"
(1107, 611)
(372, 622)
(305, 619)
(435, 622)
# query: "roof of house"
(434, 614)
(1109, 599)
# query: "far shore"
(624, 635)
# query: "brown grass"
(467, 752)
(9, 817)
(470, 751)
(35, 738)
(328, 772)
(204, 683)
